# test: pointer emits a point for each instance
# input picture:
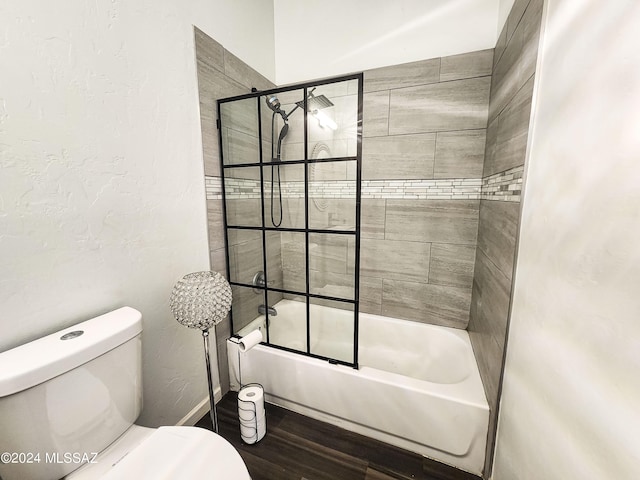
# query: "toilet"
(68, 403)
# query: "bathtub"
(418, 386)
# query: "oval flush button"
(70, 335)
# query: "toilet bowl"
(70, 400)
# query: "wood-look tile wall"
(423, 120)
(431, 261)
(509, 112)
(221, 74)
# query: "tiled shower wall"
(509, 112)
(426, 184)
(220, 74)
(423, 154)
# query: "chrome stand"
(212, 402)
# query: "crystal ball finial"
(201, 299)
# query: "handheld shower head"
(283, 133)
(274, 104)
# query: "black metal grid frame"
(264, 229)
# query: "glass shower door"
(291, 183)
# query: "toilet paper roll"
(252, 393)
(248, 416)
(250, 402)
(249, 429)
(254, 433)
(249, 341)
(247, 413)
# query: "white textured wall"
(246, 29)
(570, 405)
(504, 8)
(102, 199)
(320, 38)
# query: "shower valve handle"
(259, 282)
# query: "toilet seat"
(170, 453)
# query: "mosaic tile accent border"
(213, 187)
(445, 189)
(505, 186)
(239, 188)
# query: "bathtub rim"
(471, 386)
(459, 336)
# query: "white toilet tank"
(66, 396)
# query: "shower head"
(315, 103)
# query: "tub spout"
(262, 309)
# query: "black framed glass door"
(291, 170)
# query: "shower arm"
(286, 116)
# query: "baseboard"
(199, 410)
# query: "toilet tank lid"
(40, 360)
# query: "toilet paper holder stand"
(253, 409)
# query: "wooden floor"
(300, 448)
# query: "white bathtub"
(418, 386)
